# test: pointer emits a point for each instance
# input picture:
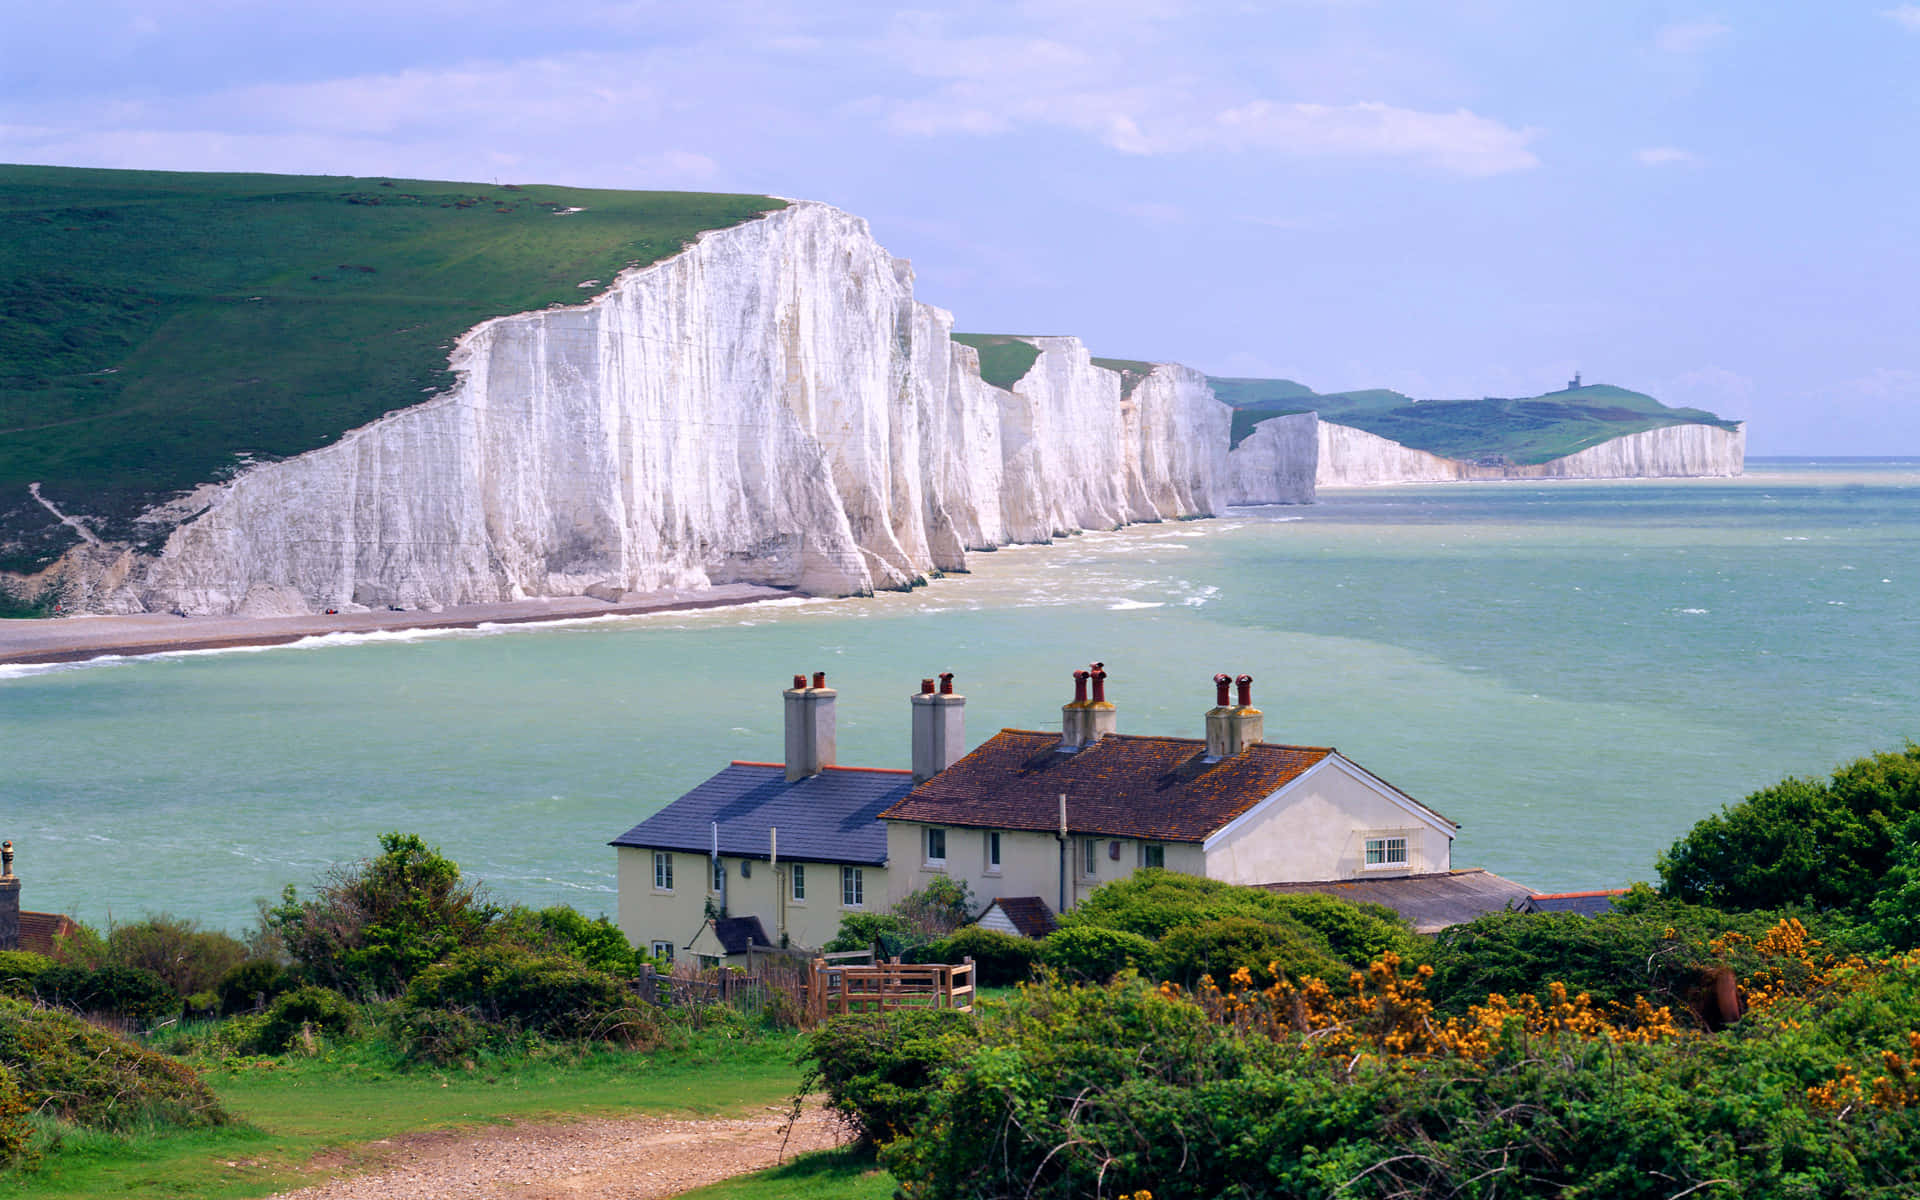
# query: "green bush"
(1824, 844)
(878, 1069)
(889, 931)
(253, 984)
(999, 958)
(18, 970)
(15, 1132)
(129, 992)
(1219, 946)
(189, 958)
(1090, 952)
(560, 929)
(440, 1036)
(545, 994)
(317, 1010)
(69, 1069)
(373, 926)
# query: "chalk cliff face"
(1354, 458)
(1277, 463)
(770, 406)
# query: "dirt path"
(629, 1158)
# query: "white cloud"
(1666, 156)
(1907, 16)
(1459, 141)
(1689, 37)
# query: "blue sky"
(1714, 204)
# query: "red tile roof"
(1158, 788)
(38, 929)
(1028, 914)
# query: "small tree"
(373, 926)
(937, 909)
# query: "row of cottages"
(775, 854)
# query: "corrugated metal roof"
(1430, 902)
(1124, 785)
(831, 817)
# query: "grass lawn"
(162, 325)
(827, 1175)
(290, 1110)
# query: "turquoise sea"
(1575, 672)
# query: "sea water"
(1574, 672)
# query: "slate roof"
(1587, 904)
(1157, 788)
(831, 817)
(1430, 902)
(737, 935)
(1028, 914)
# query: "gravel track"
(609, 1159)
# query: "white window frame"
(1149, 851)
(991, 845)
(797, 882)
(662, 950)
(936, 840)
(1090, 858)
(1384, 844)
(853, 887)
(719, 875)
(663, 870)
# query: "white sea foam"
(1696, 612)
(1129, 605)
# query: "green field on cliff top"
(160, 325)
(1524, 430)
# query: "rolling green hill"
(158, 325)
(1525, 430)
(1004, 358)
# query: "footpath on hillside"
(627, 1158)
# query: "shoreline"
(55, 640)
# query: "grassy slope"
(1533, 429)
(1004, 358)
(160, 323)
(344, 1100)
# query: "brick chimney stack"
(810, 726)
(1086, 719)
(9, 900)
(1233, 727)
(939, 728)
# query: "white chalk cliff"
(1352, 457)
(1277, 463)
(772, 405)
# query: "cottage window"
(663, 951)
(1153, 854)
(1386, 852)
(719, 875)
(936, 847)
(1091, 858)
(799, 881)
(853, 887)
(993, 852)
(662, 871)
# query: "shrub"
(69, 1069)
(999, 958)
(14, 1130)
(1219, 946)
(315, 1010)
(545, 994)
(1153, 903)
(18, 969)
(1090, 952)
(253, 984)
(129, 992)
(937, 909)
(878, 1069)
(560, 929)
(374, 926)
(440, 1036)
(189, 958)
(1826, 844)
(889, 931)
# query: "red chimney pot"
(1246, 690)
(926, 687)
(1099, 683)
(819, 679)
(1079, 687)
(799, 683)
(946, 683)
(1220, 684)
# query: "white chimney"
(1086, 719)
(939, 728)
(810, 726)
(1231, 728)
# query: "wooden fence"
(882, 987)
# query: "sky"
(1717, 205)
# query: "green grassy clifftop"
(162, 325)
(1524, 430)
